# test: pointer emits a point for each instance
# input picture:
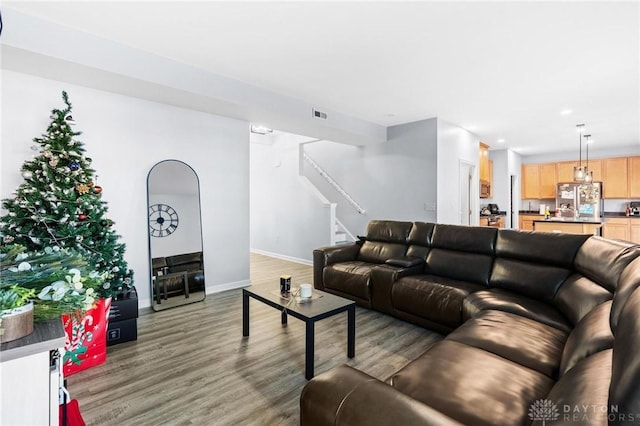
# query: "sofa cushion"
(624, 391)
(480, 240)
(578, 295)
(534, 280)
(379, 252)
(539, 247)
(592, 334)
(471, 385)
(475, 268)
(603, 260)
(515, 303)
(390, 231)
(580, 396)
(350, 279)
(435, 298)
(629, 282)
(522, 340)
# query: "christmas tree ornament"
(53, 162)
(97, 189)
(48, 154)
(74, 165)
(82, 188)
(82, 216)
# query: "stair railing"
(334, 184)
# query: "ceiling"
(503, 70)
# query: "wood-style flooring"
(192, 366)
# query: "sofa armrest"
(325, 256)
(405, 262)
(345, 396)
(382, 279)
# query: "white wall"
(287, 219)
(126, 136)
(455, 145)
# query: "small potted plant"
(42, 285)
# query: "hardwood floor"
(191, 365)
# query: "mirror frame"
(149, 237)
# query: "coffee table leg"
(351, 331)
(309, 348)
(284, 317)
(245, 314)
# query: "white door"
(466, 178)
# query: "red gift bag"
(85, 338)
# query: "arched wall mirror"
(176, 262)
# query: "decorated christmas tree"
(60, 204)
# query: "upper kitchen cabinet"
(486, 172)
(615, 175)
(564, 171)
(596, 167)
(538, 181)
(634, 177)
(548, 180)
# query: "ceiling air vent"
(319, 114)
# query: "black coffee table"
(310, 311)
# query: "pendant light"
(579, 172)
(588, 176)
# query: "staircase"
(339, 232)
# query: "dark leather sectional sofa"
(540, 327)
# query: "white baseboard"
(283, 257)
(227, 286)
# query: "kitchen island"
(568, 225)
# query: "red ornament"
(82, 216)
(97, 189)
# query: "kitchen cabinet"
(615, 177)
(616, 229)
(484, 162)
(596, 167)
(538, 181)
(530, 181)
(634, 177)
(564, 171)
(548, 181)
(484, 221)
(634, 230)
(486, 170)
(567, 227)
(622, 228)
(526, 221)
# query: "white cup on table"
(306, 290)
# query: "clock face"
(163, 220)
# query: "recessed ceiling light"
(500, 141)
(566, 112)
(260, 129)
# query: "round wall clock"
(163, 220)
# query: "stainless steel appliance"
(634, 208)
(577, 200)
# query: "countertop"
(605, 216)
(46, 336)
(569, 220)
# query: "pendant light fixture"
(579, 171)
(588, 176)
